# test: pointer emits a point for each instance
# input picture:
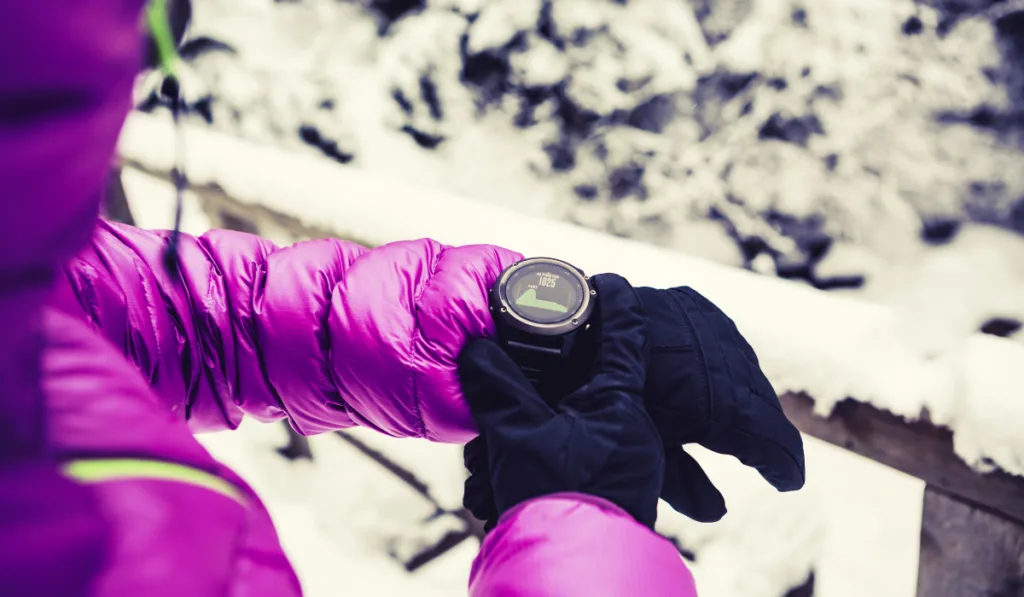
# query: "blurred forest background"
(792, 129)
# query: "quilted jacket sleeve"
(569, 545)
(325, 332)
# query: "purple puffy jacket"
(103, 359)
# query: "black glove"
(705, 386)
(598, 440)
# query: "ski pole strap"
(179, 179)
(158, 22)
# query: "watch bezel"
(510, 317)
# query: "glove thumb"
(500, 397)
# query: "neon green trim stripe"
(119, 469)
(160, 29)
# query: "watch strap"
(534, 354)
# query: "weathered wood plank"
(966, 551)
(917, 448)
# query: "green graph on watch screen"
(529, 299)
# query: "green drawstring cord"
(160, 30)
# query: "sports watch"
(540, 308)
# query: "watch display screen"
(544, 293)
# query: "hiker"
(103, 489)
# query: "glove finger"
(501, 399)
(478, 498)
(765, 440)
(758, 433)
(622, 335)
(474, 456)
(478, 495)
(688, 489)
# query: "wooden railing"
(972, 530)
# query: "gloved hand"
(598, 440)
(705, 386)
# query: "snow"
(830, 347)
(339, 516)
(496, 27)
(293, 56)
(152, 203)
(855, 524)
(978, 277)
(328, 50)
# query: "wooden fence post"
(967, 551)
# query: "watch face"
(544, 293)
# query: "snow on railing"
(827, 347)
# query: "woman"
(103, 491)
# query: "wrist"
(569, 498)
